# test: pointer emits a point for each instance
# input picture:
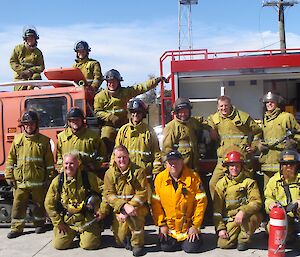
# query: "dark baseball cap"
(174, 154)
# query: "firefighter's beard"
(289, 172)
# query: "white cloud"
(134, 49)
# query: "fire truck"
(51, 99)
(245, 76)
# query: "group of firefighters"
(142, 177)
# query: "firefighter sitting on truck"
(178, 206)
(110, 104)
(27, 60)
(90, 68)
(73, 203)
(87, 142)
(186, 134)
(233, 129)
(274, 127)
(283, 189)
(140, 140)
(28, 168)
(125, 189)
(237, 205)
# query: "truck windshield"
(52, 111)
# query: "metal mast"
(185, 23)
(281, 5)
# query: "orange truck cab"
(51, 99)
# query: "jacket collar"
(184, 179)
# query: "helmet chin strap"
(113, 91)
(31, 47)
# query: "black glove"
(159, 79)
(290, 144)
(115, 120)
(26, 74)
(11, 182)
(262, 147)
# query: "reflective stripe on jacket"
(30, 160)
(233, 195)
(275, 192)
(86, 142)
(127, 187)
(184, 137)
(91, 69)
(106, 105)
(274, 128)
(142, 144)
(24, 58)
(179, 209)
(233, 130)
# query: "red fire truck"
(245, 76)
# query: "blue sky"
(132, 35)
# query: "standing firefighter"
(283, 189)
(178, 206)
(237, 204)
(185, 134)
(77, 137)
(90, 68)
(275, 126)
(110, 104)
(73, 203)
(28, 168)
(27, 60)
(125, 191)
(140, 140)
(234, 129)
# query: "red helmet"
(233, 156)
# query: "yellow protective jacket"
(30, 160)
(274, 128)
(105, 105)
(180, 209)
(143, 146)
(86, 142)
(233, 131)
(24, 58)
(127, 187)
(275, 192)
(91, 69)
(184, 136)
(68, 205)
(234, 194)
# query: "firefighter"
(125, 191)
(27, 60)
(110, 104)
(90, 68)
(185, 134)
(77, 137)
(178, 206)
(140, 140)
(275, 126)
(73, 202)
(234, 130)
(29, 165)
(283, 190)
(237, 205)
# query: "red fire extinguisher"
(277, 232)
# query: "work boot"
(127, 243)
(40, 230)
(138, 251)
(242, 247)
(14, 234)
